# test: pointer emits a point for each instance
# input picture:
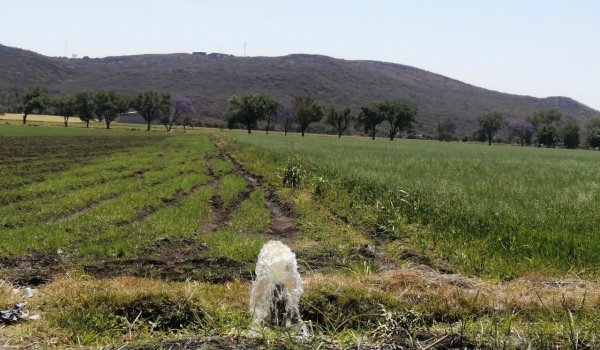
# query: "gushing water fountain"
(277, 288)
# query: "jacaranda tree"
(180, 105)
(284, 118)
(522, 130)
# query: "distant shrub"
(594, 138)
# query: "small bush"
(320, 186)
(392, 213)
(292, 173)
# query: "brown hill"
(210, 81)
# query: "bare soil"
(175, 261)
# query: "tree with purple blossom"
(180, 105)
(285, 118)
(522, 130)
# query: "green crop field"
(149, 240)
(496, 211)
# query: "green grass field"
(497, 211)
(149, 239)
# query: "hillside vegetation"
(210, 81)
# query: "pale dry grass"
(418, 284)
(73, 293)
(417, 287)
(39, 118)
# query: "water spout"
(277, 288)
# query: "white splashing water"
(277, 288)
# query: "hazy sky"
(538, 48)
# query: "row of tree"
(250, 108)
(107, 105)
(542, 126)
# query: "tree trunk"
(66, 119)
(183, 127)
(522, 142)
(148, 129)
(340, 134)
(302, 132)
(87, 123)
(489, 141)
(373, 134)
(24, 119)
(107, 123)
(284, 131)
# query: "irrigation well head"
(277, 288)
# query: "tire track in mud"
(221, 215)
(283, 225)
(39, 268)
(180, 259)
(133, 173)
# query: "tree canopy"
(83, 104)
(285, 118)
(339, 118)
(446, 129)
(491, 123)
(369, 117)
(64, 106)
(593, 138)
(109, 105)
(571, 134)
(150, 104)
(400, 115)
(306, 110)
(247, 109)
(34, 101)
(545, 123)
(523, 130)
(179, 106)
